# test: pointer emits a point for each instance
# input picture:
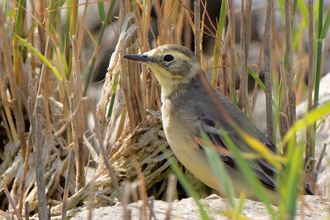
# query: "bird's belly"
(187, 151)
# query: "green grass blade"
(220, 172)
(310, 118)
(325, 25)
(41, 57)
(257, 79)
(289, 190)
(249, 174)
(100, 6)
(113, 96)
(217, 45)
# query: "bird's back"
(196, 94)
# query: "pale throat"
(168, 82)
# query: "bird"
(188, 109)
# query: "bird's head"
(173, 65)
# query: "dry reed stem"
(289, 69)
(131, 75)
(78, 121)
(245, 40)
(202, 26)
(131, 82)
(38, 148)
(180, 25)
(65, 88)
(26, 206)
(164, 23)
(187, 30)
(197, 27)
(268, 74)
(138, 92)
(151, 97)
(225, 62)
(310, 133)
(124, 75)
(25, 170)
(232, 54)
(41, 31)
(142, 36)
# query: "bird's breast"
(174, 123)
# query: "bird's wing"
(263, 170)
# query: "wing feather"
(264, 171)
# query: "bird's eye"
(168, 57)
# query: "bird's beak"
(139, 57)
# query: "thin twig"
(10, 200)
(69, 119)
(91, 198)
(152, 214)
(319, 161)
(171, 186)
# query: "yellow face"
(172, 64)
